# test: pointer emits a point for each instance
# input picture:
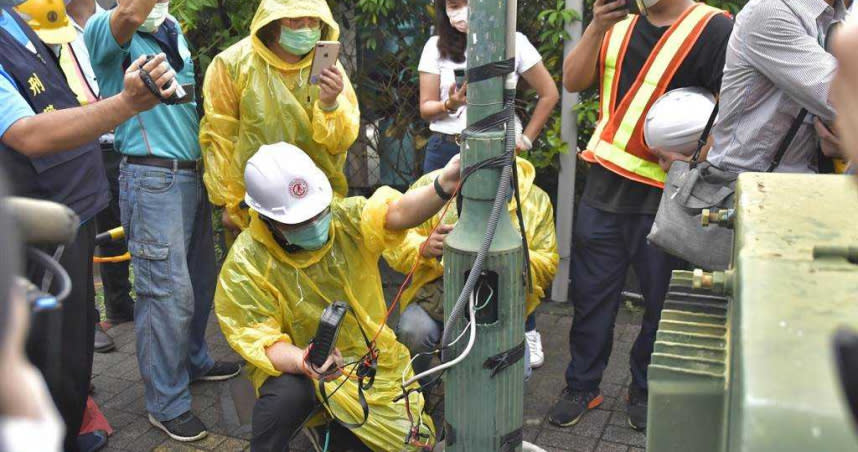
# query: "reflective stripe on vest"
(618, 144)
(74, 75)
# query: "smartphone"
(460, 78)
(326, 56)
(633, 7)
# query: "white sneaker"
(534, 344)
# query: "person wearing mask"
(321, 118)
(443, 101)
(49, 146)
(443, 90)
(635, 59)
(304, 250)
(165, 213)
(776, 65)
(421, 323)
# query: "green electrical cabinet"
(743, 360)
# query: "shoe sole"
(593, 404)
(635, 427)
(184, 439)
(537, 364)
(220, 377)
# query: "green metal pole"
(480, 409)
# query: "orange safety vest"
(617, 143)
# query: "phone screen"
(632, 6)
(460, 77)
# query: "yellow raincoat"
(541, 239)
(253, 98)
(265, 295)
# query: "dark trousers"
(439, 151)
(284, 404)
(68, 369)
(604, 245)
(117, 288)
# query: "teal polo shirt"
(172, 130)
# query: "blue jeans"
(167, 221)
(420, 333)
(438, 153)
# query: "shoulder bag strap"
(704, 137)
(787, 140)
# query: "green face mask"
(312, 236)
(299, 42)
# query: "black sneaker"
(185, 428)
(636, 407)
(222, 370)
(572, 405)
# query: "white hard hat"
(677, 119)
(284, 184)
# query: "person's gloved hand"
(435, 243)
(523, 144)
(330, 86)
(136, 94)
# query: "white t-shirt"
(526, 56)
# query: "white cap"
(284, 184)
(677, 119)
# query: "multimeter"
(327, 333)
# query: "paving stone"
(624, 435)
(619, 418)
(605, 446)
(124, 398)
(233, 444)
(565, 441)
(636, 449)
(172, 446)
(591, 424)
(212, 441)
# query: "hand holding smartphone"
(327, 53)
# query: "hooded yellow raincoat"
(265, 295)
(541, 239)
(253, 98)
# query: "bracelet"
(440, 191)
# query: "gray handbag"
(693, 186)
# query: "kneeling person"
(303, 251)
(422, 321)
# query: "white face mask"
(643, 5)
(156, 17)
(459, 18)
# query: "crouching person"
(303, 251)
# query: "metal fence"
(382, 63)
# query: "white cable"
(462, 356)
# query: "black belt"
(173, 164)
(455, 139)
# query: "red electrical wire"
(410, 274)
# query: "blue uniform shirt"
(172, 130)
(14, 106)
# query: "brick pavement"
(119, 393)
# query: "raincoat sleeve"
(542, 243)
(247, 308)
(223, 177)
(338, 129)
(373, 216)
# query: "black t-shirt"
(702, 67)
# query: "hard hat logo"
(53, 16)
(298, 188)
